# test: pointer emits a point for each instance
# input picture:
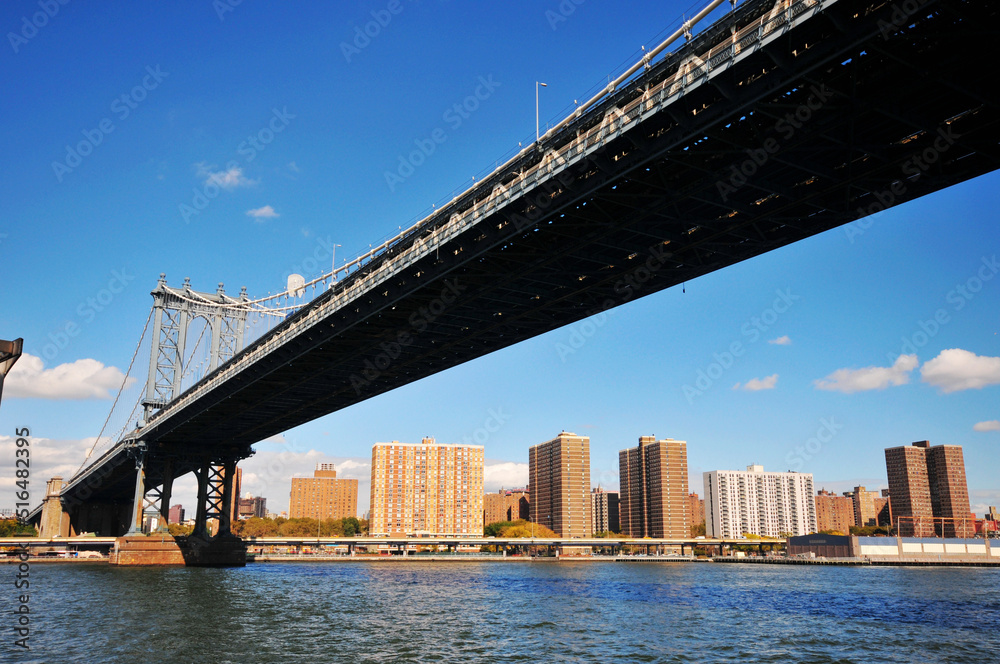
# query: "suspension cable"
(117, 396)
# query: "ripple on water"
(495, 612)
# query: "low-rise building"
(505, 505)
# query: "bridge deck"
(725, 150)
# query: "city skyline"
(817, 385)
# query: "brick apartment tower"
(559, 481)
(431, 488)
(653, 479)
(323, 495)
(834, 512)
(928, 489)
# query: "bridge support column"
(201, 513)
(139, 454)
(165, 492)
(225, 517)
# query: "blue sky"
(116, 119)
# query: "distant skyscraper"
(927, 484)
(427, 488)
(604, 511)
(559, 479)
(323, 496)
(505, 505)
(176, 514)
(834, 512)
(253, 506)
(653, 478)
(739, 502)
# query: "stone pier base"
(221, 551)
(133, 550)
(136, 550)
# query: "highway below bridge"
(39, 545)
(775, 123)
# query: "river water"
(506, 612)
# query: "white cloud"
(756, 384)
(988, 425)
(504, 475)
(955, 369)
(49, 458)
(781, 341)
(293, 166)
(228, 179)
(982, 499)
(869, 378)
(83, 379)
(351, 469)
(261, 213)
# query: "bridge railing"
(427, 235)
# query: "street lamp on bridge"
(9, 352)
(544, 85)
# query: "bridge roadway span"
(772, 125)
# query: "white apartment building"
(753, 501)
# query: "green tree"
(698, 529)
(350, 526)
(14, 528)
(177, 529)
(494, 529)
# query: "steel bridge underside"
(889, 110)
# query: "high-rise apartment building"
(834, 512)
(929, 492)
(430, 488)
(696, 507)
(604, 511)
(653, 479)
(866, 505)
(559, 481)
(739, 502)
(505, 505)
(323, 495)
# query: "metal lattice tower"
(174, 310)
